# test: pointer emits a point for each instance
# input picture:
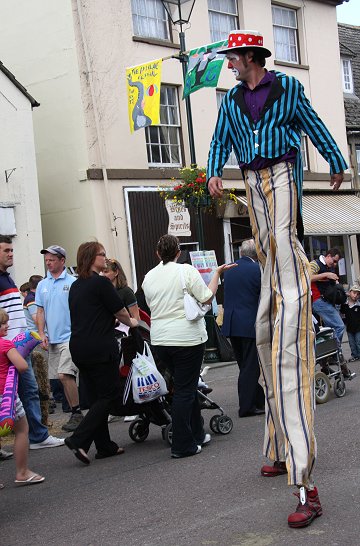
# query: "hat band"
(245, 40)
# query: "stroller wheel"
(339, 388)
(139, 430)
(322, 388)
(214, 423)
(225, 424)
(167, 434)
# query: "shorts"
(60, 360)
(19, 410)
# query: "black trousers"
(102, 383)
(251, 394)
(184, 364)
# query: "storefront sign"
(179, 219)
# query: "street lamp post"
(179, 12)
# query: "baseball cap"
(54, 249)
(355, 288)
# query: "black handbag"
(335, 294)
(224, 346)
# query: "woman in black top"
(93, 303)
(116, 274)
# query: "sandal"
(78, 452)
(32, 480)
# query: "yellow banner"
(143, 87)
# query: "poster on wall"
(179, 219)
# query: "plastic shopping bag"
(146, 380)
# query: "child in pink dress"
(9, 355)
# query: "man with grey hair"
(242, 287)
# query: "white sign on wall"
(7, 220)
(179, 219)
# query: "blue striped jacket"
(286, 113)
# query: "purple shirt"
(255, 100)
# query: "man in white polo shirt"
(53, 316)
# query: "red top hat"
(247, 39)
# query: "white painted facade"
(19, 194)
(72, 55)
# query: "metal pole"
(183, 60)
(211, 351)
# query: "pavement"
(217, 498)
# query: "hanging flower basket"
(192, 190)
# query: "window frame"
(235, 17)
(351, 79)
(232, 162)
(295, 29)
(148, 18)
(161, 145)
(357, 157)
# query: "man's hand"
(336, 180)
(215, 186)
(45, 342)
(331, 276)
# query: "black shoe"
(327, 370)
(347, 373)
(187, 454)
(256, 411)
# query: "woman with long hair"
(178, 342)
(94, 303)
(117, 276)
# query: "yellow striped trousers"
(284, 328)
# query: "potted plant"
(190, 188)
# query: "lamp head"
(179, 11)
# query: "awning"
(331, 214)
(328, 213)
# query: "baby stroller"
(330, 360)
(153, 412)
(161, 416)
(219, 423)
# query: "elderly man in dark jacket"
(241, 298)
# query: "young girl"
(9, 355)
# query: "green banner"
(204, 66)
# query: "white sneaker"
(113, 418)
(5, 454)
(207, 439)
(50, 441)
(130, 418)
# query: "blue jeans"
(354, 342)
(330, 317)
(29, 396)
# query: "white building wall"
(37, 42)
(21, 190)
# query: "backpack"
(335, 294)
